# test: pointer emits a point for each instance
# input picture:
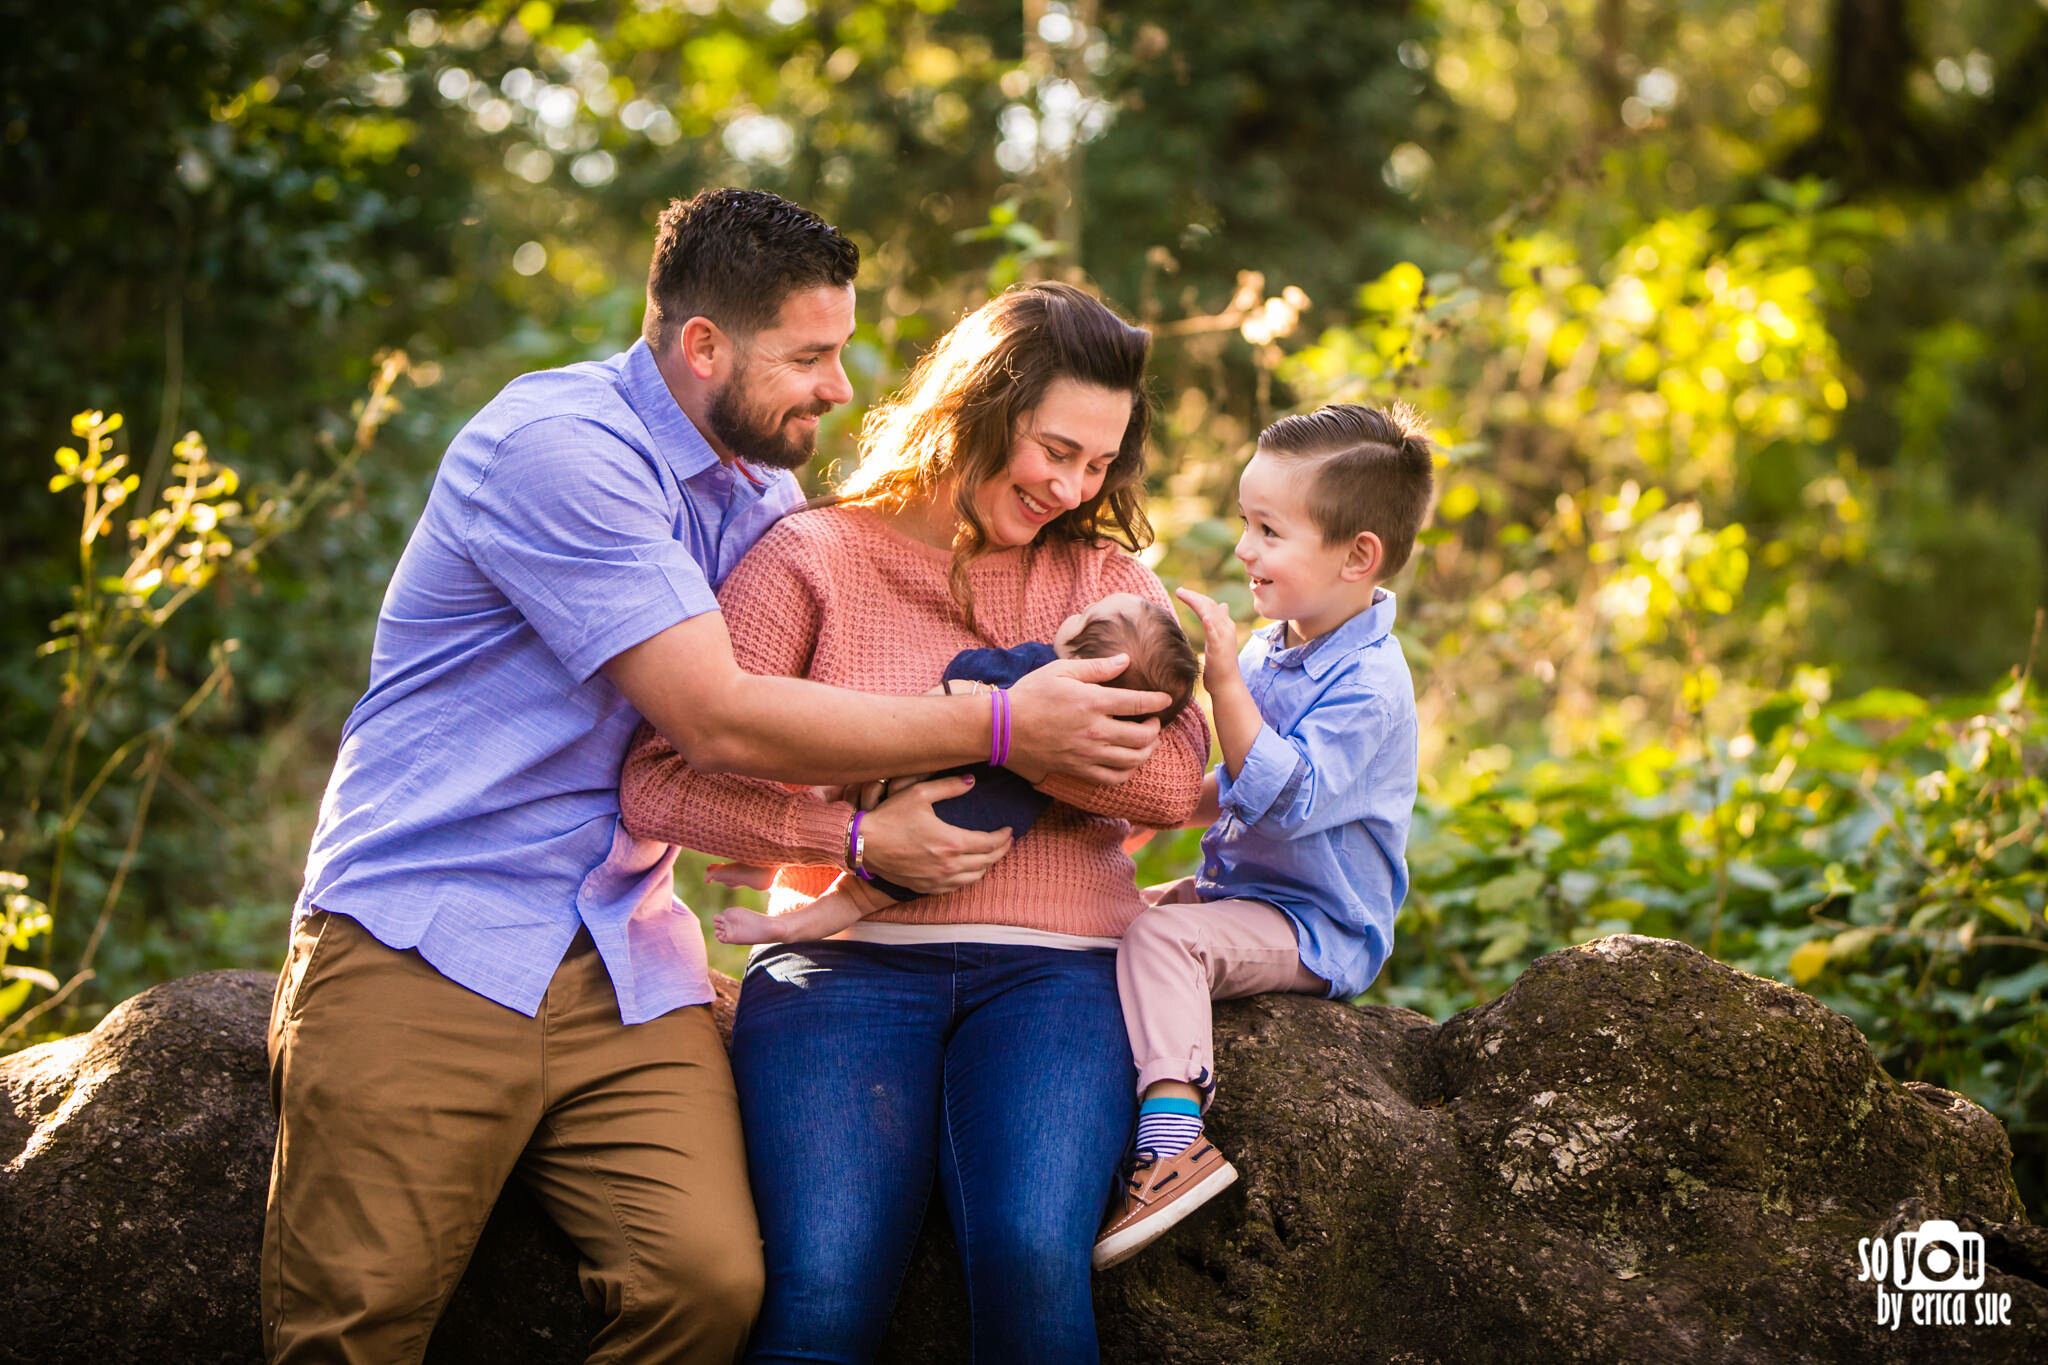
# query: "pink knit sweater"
(839, 596)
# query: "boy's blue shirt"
(1316, 821)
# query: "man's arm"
(687, 684)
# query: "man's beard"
(756, 436)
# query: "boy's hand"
(1219, 638)
(1230, 701)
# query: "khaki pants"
(1184, 952)
(405, 1102)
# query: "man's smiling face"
(784, 379)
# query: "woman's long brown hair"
(959, 414)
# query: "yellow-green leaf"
(1808, 959)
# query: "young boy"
(1302, 866)
(1161, 660)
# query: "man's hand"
(913, 847)
(1063, 721)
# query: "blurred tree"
(1732, 341)
(1885, 125)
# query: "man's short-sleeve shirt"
(473, 810)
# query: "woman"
(974, 1033)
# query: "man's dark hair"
(1161, 659)
(733, 256)
(1373, 471)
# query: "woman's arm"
(774, 612)
(1164, 792)
(743, 818)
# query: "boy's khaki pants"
(404, 1103)
(1183, 952)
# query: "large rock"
(1635, 1154)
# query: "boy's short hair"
(1374, 472)
(1161, 659)
(733, 256)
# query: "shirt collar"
(676, 437)
(1325, 652)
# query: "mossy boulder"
(1635, 1154)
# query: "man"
(487, 977)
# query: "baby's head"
(1161, 659)
(1332, 502)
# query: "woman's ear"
(1364, 560)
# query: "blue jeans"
(865, 1069)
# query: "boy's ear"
(1367, 554)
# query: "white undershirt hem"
(869, 931)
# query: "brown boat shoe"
(1158, 1194)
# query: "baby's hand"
(1219, 639)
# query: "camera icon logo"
(1938, 1255)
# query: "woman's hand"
(912, 847)
(1062, 720)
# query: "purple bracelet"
(998, 727)
(857, 849)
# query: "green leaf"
(12, 996)
(1515, 888)
(2011, 911)
(2014, 989)
(1882, 703)
(1509, 943)
(1749, 875)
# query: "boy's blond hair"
(1373, 471)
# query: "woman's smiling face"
(1061, 454)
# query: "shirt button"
(1210, 871)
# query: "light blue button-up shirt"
(473, 812)
(1316, 821)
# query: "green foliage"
(1887, 855)
(1735, 412)
(114, 727)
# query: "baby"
(1161, 660)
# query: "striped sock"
(1168, 1126)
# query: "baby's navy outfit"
(1000, 799)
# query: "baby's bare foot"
(742, 926)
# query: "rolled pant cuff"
(1194, 1071)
